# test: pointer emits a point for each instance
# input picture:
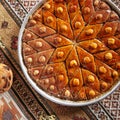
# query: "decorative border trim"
(99, 111)
(11, 92)
(11, 12)
(16, 7)
(90, 114)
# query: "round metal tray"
(40, 91)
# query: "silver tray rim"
(42, 92)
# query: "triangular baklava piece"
(43, 57)
(104, 72)
(27, 50)
(35, 72)
(28, 35)
(90, 80)
(91, 93)
(30, 60)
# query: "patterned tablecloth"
(21, 102)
